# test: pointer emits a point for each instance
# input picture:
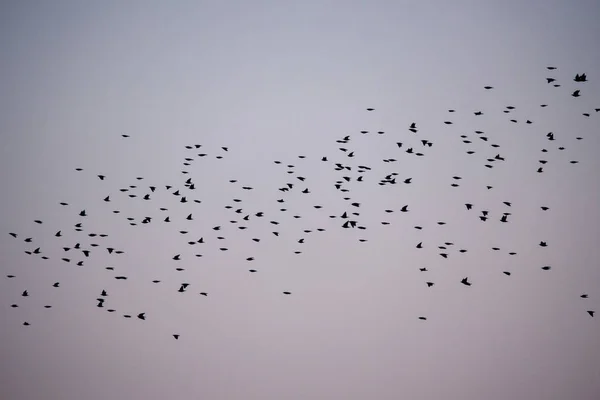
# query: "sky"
(272, 81)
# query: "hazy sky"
(272, 80)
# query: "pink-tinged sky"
(272, 80)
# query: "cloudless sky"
(273, 80)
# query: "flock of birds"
(82, 251)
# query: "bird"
(465, 281)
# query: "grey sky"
(272, 80)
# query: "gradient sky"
(272, 80)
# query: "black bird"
(543, 244)
(575, 93)
(183, 287)
(591, 313)
(142, 316)
(465, 281)
(287, 292)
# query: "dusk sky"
(272, 81)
